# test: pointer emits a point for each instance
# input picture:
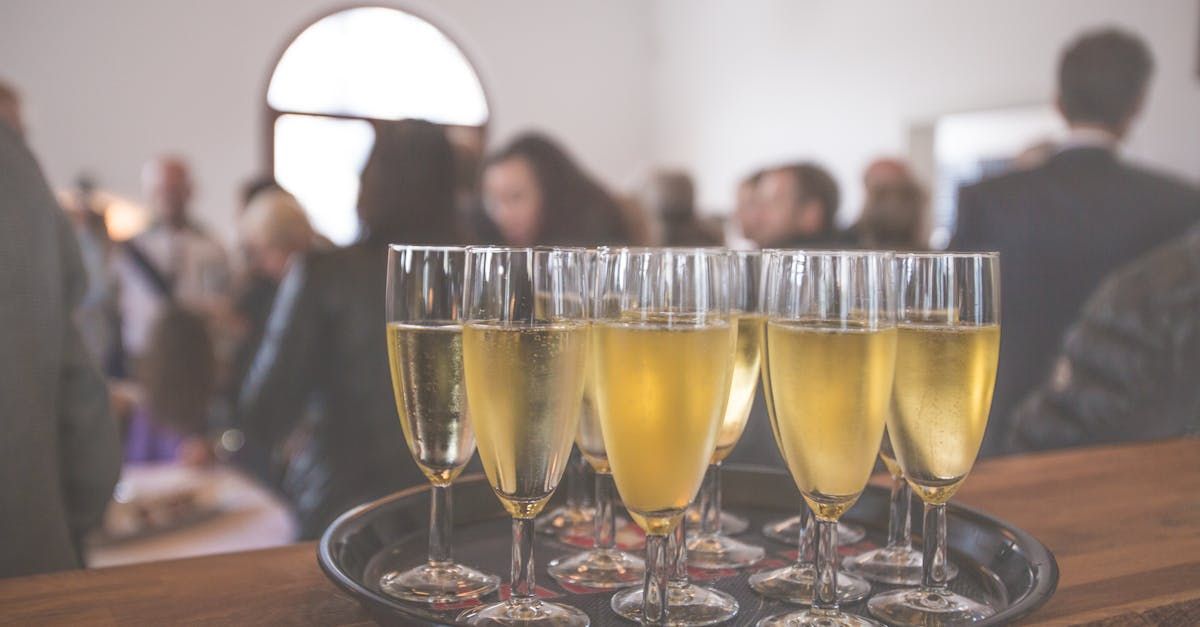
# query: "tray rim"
(1041, 559)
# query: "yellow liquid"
(661, 391)
(944, 379)
(427, 378)
(746, 359)
(889, 457)
(590, 437)
(524, 386)
(831, 388)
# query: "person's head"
(894, 215)
(178, 370)
(273, 228)
(534, 193)
(255, 186)
(792, 202)
(884, 171)
(406, 192)
(1102, 80)
(670, 196)
(10, 108)
(167, 185)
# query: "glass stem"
(575, 488)
(654, 590)
(710, 501)
(900, 515)
(605, 521)
(441, 519)
(677, 552)
(825, 595)
(933, 537)
(806, 551)
(523, 583)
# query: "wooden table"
(1124, 522)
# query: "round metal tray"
(997, 562)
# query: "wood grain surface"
(1123, 521)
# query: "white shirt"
(1088, 137)
(193, 262)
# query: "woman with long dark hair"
(534, 193)
(318, 394)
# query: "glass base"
(731, 524)
(899, 566)
(787, 531)
(794, 584)
(717, 551)
(438, 583)
(599, 568)
(572, 520)
(525, 612)
(924, 607)
(817, 618)
(688, 605)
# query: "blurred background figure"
(894, 214)
(177, 374)
(175, 260)
(535, 194)
(669, 199)
(795, 206)
(60, 454)
(318, 394)
(10, 108)
(1061, 227)
(1127, 370)
(98, 314)
(274, 230)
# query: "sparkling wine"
(524, 387)
(746, 359)
(944, 380)
(661, 391)
(427, 378)
(831, 387)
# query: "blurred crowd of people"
(275, 356)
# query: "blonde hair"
(275, 218)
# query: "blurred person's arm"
(278, 384)
(90, 446)
(1128, 367)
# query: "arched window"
(341, 74)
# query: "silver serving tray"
(998, 562)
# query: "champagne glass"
(896, 563)
(664, 345)
(424, 336)
(603, 566)
(711, 548)
(525, 344)
(948, 345)
(830, 354)
(795, 582)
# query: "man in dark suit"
(1063, 226)
(59, 449)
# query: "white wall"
(718, 86)
(742, 84)
(111, 83)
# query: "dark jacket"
(1130, 367)
(59, 449)
(322, 368)
(1060, 229)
